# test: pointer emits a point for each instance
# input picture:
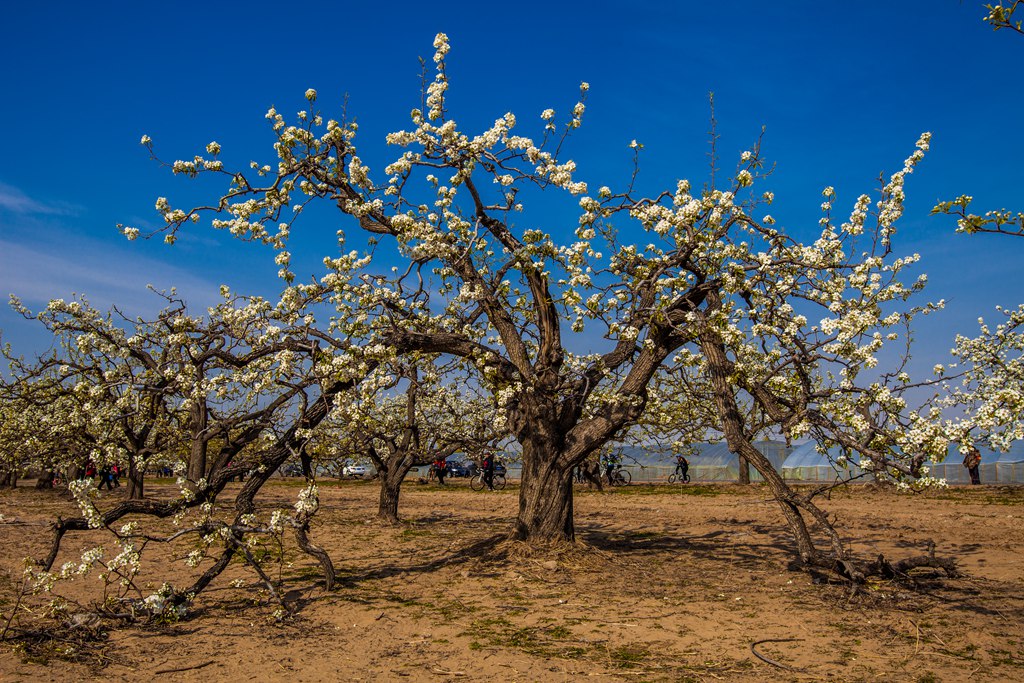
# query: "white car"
(355, 470)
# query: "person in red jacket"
(488, 471)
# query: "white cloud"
(13, 199)
(106, 275)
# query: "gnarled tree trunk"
(136, 479)
(545, 497)
(592, 473)
(391, 477)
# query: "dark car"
(459, 469)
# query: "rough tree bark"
(45, 480)
(545, 497)
(198, 420)
(392, 474)
(744, 468)
(592, 473)
(136, 479)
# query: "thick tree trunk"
(545, 498)
(744, 466)
(197, 453)
(390, 489)
(136, 479)
(592, 473)
(392, 473)
(9, 479)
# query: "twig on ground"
(184, 668)
(443, 672)
(753, 649)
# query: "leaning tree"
(527, 305)
(265, 376)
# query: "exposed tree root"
(858, 572)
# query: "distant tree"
(410, 413)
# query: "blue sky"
(844, 90)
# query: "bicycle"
(683, 478)
(620, 477)
(477, 482)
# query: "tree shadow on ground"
(488, 547)
(748, 546)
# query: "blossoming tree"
(263, 378)
(681, 271)
(987, 378)
(411, 411)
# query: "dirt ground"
(669, 583)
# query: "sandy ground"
(669, 583)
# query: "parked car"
(356, 471)
(460, 469)
(291, 470)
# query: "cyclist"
(611, 463)
(488, 471)
(682, 467)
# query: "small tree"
(409, 413)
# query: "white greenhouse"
(805, 463)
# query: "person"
(115, 476)
(105, 479)
(488, 469)
(440, 467)
(611, 463)
(682, 467)
(972, 461)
